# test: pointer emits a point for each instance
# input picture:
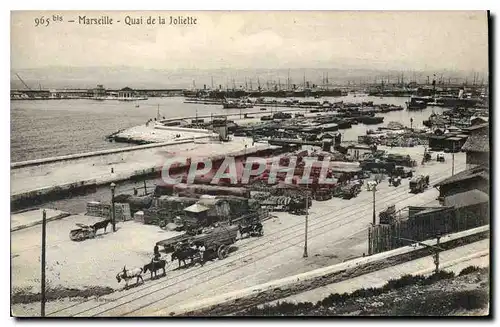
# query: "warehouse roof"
(465, 175)
(477, 143)
(465, 199)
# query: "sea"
(50, 128)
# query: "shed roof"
(478, 126)
(465, 199)
(196, 208)
(477, 143)
(465, 175)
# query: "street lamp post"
(453, 161)
(374, 189)
(44, 234)
(113, 221)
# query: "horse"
(154, 266)
(183, 254)
(100, 225)
(257, 229)
(247, 229)
(251, 230)
(371, 184)
(127, 275)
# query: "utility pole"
(305, 255)
(374, 189)
(453, 161)
(288, 80)
(113, 220)
(44, 234)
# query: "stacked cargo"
(99, 209)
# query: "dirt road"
(337, 232)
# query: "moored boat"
(416, 104)
(369, 120)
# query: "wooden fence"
(426, 223)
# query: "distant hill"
(121, 76)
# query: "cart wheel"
(222, 252)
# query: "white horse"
(127, 275)
(371, 185)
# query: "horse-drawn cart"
(217, 241)
(170, 243)
(82, 233)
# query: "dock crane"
(26, 85)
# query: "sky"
(246, 40)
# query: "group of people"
(200, 249)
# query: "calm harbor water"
(47, 128)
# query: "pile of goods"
(347, 191)
(405, 139)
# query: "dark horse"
(254, 229)
(101, 225)
(154, 266)
(183, 254)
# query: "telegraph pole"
(453, 161)
(113, 220)
(44, 234)
(307, 221)
(374, 189)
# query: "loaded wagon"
(322, 194)
(170, 243)
(419, 184)
(350, 191)
(347, 191)
(403, 172)
(216, 240)
(294, 204)
(276, 203)
(82, 233)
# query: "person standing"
(156, 252)
(202, 253)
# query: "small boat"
(369, 120)
(416, 104)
